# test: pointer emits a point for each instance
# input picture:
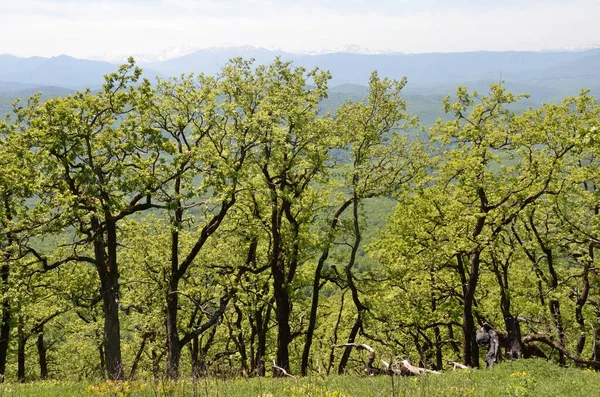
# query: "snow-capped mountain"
(179, 51)
(350, 49)
(582, 47)
(239, 48)
(175, 52)
(166, 54)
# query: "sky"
(90, 28)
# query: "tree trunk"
(155, 364)
(348, 349)
(112, 340)
(554, 304)
(262, 326)
(173, 348)
(282, 300)
(453, 342)
(4, 275)
(282, 315)
(488, 336)
(596, 347)
(312, 322)
(239, 340)
(43, 361)
(253, 342)
(439, 358)
(6, 319)
(106, 265)
(178, 271)
(195, 349)
(102, 360)
(282, 281)
(514, 347)
(335, 334)
(360, 308)
(596, 304)
(419, 348)
(138, 356)
(581, 301)
(22, 340)
(203, 363)
(470, 349)
(262, 343)
(556, 315)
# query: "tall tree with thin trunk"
(290, 164)
(99, 164)
(378, 161)
(18, 178)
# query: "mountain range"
(546, 75)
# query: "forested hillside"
(229, 224)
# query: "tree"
(495, 169)
(378, 161)
(557, 236)
(99, 164)
(490, 165)
(290, 164)
(18, 179)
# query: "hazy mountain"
(425, 72)
(10, 64)
(350, 67)
(211, 60)
(11, 91)
(168, 53)
(60, 71)
(547, 76)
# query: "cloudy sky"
(84, 28)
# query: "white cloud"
(84, 28)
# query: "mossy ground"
(519, 378)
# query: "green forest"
(238, 225)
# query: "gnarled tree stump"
(487, 336)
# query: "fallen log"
(283, 372)
(456, 365)
(408, 369)
(405, 368)
(545, 340)
(370, 370)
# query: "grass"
(519, 378)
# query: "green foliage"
(201, 225)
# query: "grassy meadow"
(520, 378)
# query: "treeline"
(203, 225)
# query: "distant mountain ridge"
(60, 71)
(179, 51)
(444, 65)
(167, 53)
(547, 75)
